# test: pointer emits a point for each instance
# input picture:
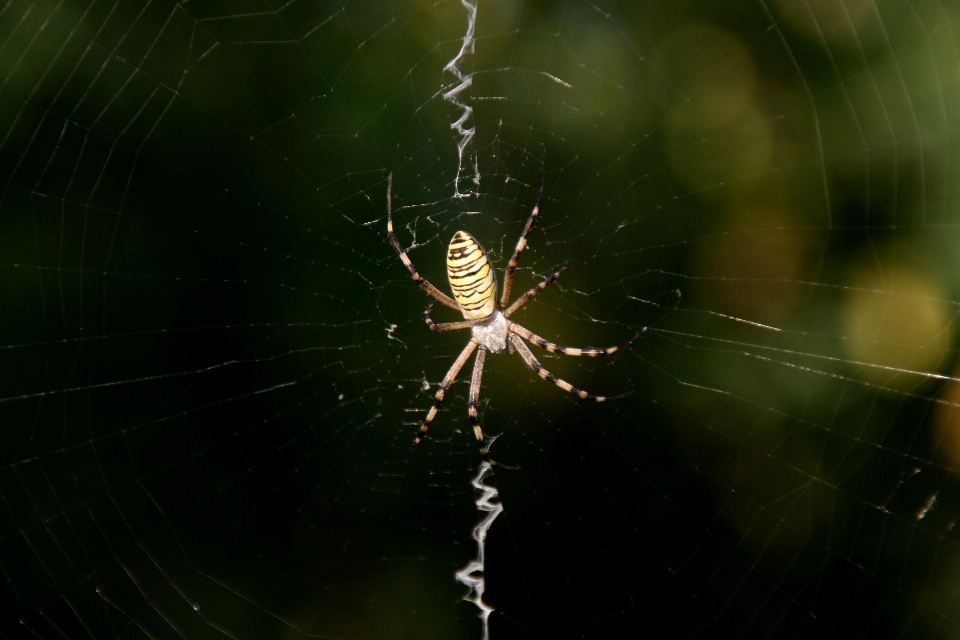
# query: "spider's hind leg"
(526, 297)
(521, 243)
(422, 282)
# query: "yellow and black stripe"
(431, 290)
(471, 276)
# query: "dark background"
(213, 363)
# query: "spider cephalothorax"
(474, 286)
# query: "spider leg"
(474, 398)
(525, 298)
(521, 243)
(538, 369)
(447, 381)
(446, 326)
(424, 284)
(533, 338)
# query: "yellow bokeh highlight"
(896, 325)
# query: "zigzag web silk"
(465, 131)
(472, 575)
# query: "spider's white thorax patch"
(492, 333)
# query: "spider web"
(214, 362)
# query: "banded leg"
(538, 369)
(533, 338)
(525, 298)
(521, 243)
(424, 284)
(474, 398)
(446, 326)
(447, 381)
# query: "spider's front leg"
(472, 410)
(447, 381)
(539, 369)
(546, 345)
(474, 398)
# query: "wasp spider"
(474, 287)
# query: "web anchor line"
(472, 574)
(453, 96)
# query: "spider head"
(471, 276)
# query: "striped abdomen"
(471, 277)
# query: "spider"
(474, 286)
